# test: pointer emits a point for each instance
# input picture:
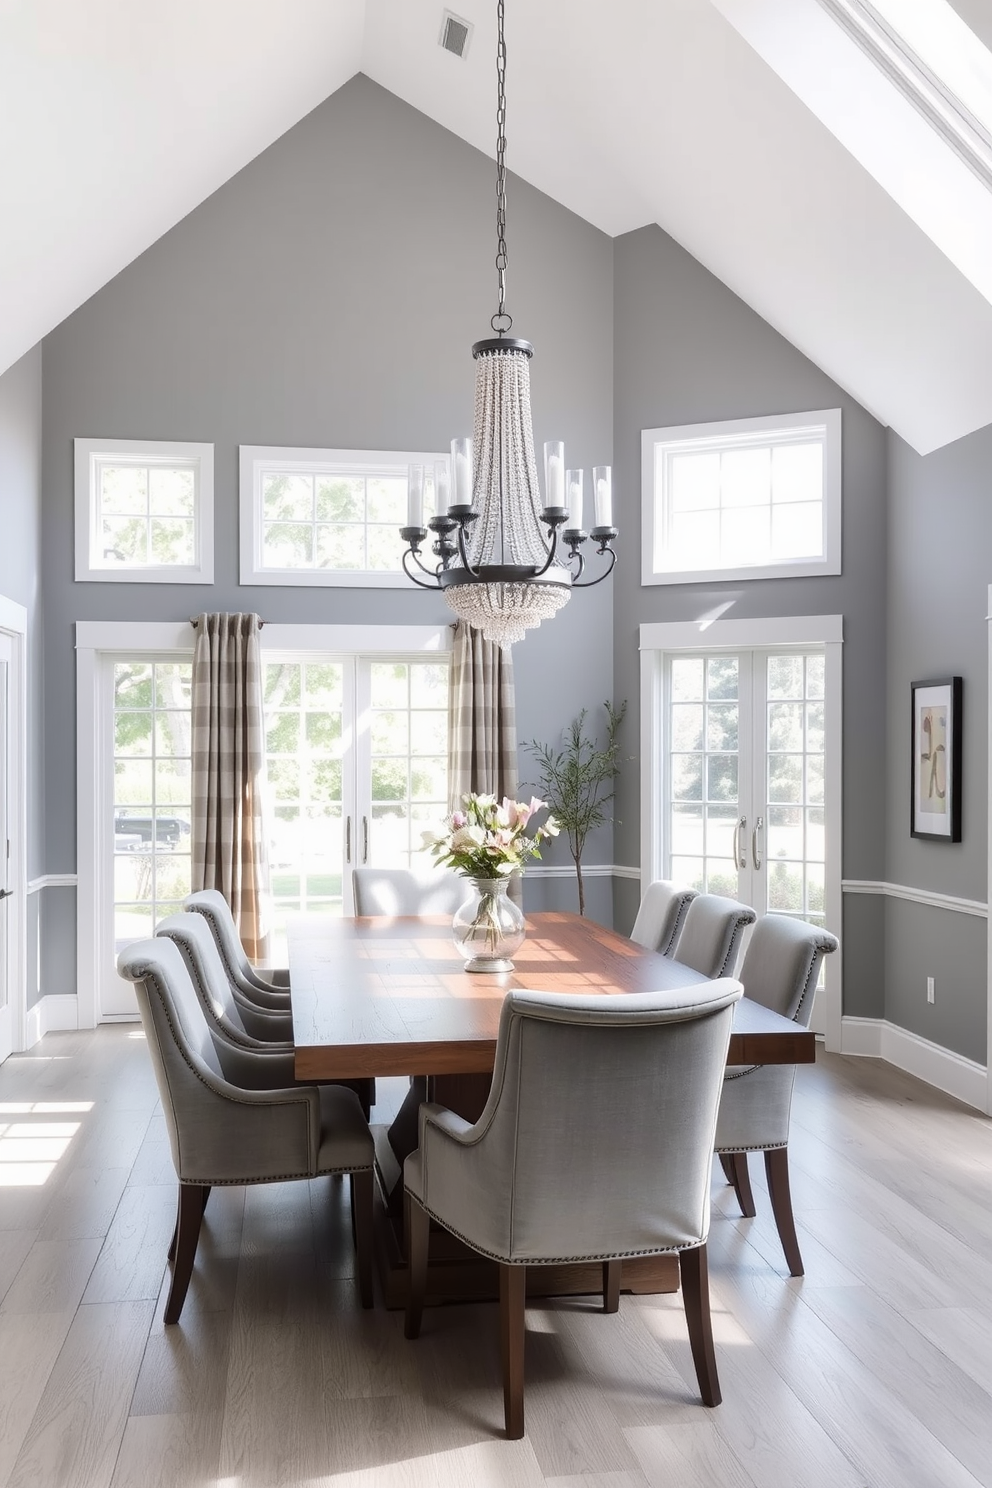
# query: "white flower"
(466, 838)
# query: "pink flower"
(458, 819)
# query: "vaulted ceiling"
(117, 117)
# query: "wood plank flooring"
(873, 1371)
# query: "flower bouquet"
(487, 842)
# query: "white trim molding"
(52, 881)
(54, 1013)
(917, 896)
(137, 637)
(14, 625)
(875, 1038)
(589, 870)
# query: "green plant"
(578, 781)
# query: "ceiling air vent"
(455, 33)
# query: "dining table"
(385, 996)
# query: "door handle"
(740, 859)
(6, 893)
(347, 840)
(365, 839)
(759, 824)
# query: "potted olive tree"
(578, 781)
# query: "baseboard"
(56, 1013)
(875, 1038)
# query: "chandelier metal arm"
(604, 536)
(412, 553)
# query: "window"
(327, 516)
(151, 794)
(144, 511)
(756, 498)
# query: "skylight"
(936, 60)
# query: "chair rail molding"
(52, 881)
(929, 897)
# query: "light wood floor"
(874, 1370)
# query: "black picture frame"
(935, 771)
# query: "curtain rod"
(194, 620)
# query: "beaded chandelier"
(502, 564)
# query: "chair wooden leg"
(512, 1302)
(192, 1198)
(780, 1193)
(726, 1165)
(418, 1229)
(175, 1233)
(740, 1177)
(361, 1219)
(611, 1285)
(694, 1269)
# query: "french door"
(748, 804)
(357, 770)
(745, 778)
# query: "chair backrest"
(597, 1136)
(195, 939)
(782, 963)
(711, 936)
(401, 891)
(661, 916)
(211, 904)
(178, 1037)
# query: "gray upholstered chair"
(269, 991)
(780, 970)
(711, 936)
(661, 916)
(402, 891)
(225, 1004)
(237, 1026)
(562, 1166)
(223, 1133)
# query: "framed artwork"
(936, 775)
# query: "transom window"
(144, 511)
(756, 498)
(327, 516)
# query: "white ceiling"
(118, 116)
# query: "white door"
(745, 798)
(6, 888)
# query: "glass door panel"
(704, 725)
(307, 705)
(407, 760)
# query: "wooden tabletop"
(390, 997)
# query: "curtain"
(482, 723)
(228, 838)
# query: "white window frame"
(257, 460)
(660, 444)
(98, 644)
(89, 453)
(660, 639)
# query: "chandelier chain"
(501, 321)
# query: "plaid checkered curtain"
(228, 837)
(482, 722)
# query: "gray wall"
(687, 350)
(328, 295)
(20, 580)
(940, 538)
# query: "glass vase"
(488, 927)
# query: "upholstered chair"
(268, 991)
(780, 970)
(661, 916)
(224, 1002)
(711, 936)
(223, 1133)
(239, 1028)
(401, 891)
(561, 1166)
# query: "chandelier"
(506, 560)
